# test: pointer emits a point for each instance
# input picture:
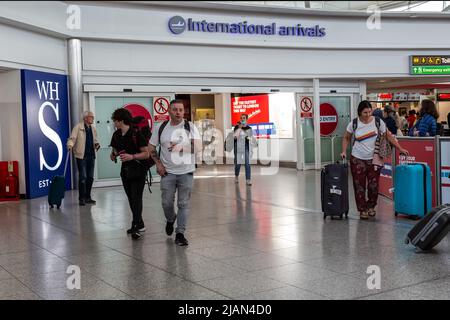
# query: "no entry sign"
(328, 119)
(137, 110)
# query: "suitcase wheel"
(58, 207)
(324, 216)
(51, 206)
(406, 241)
(346, 214)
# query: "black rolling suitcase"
(431, 229)
(57, 188)
(334, 190)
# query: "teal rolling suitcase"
(412, 189)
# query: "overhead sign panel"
(430, 65)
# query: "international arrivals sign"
(430, 65)
(178, 25)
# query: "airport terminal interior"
(264, 238)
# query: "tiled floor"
(268, 241)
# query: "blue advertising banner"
(46, 129)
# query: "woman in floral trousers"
(366, 131)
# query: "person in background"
(403, 123)
(411, 118)
(365, 174)
(448, 120)
(84, 143)
(243, 134)
(390, 119)
(427, 125)
(378, 113)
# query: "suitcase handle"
(67, 161)
(344, 161)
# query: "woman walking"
(366, 131)
(243, 136)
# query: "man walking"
(179, 140)
(83, 142)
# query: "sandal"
(363, 215)
(371, 212)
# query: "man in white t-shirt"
(179, 141)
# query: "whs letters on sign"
(46, 129)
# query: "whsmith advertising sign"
(46, 129)
(178, 25)
(430, 65)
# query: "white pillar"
(316, 102)
(75, 88)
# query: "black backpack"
(140, 124)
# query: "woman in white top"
(364, 172)
(243, 135)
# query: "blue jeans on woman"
(239, 161)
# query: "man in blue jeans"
(179, 140)
(83, 142)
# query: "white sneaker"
(249, 183)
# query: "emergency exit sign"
(430, 65)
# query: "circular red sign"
(306, 104)
(139, 110)
(328, 119)
(161, 105)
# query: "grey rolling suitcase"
(431, 229)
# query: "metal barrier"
(435, 152)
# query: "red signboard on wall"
(256, 107)
(420, 151)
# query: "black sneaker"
(140, 228)
(82, 203)
(181, 240)
(90, 201)
(169, 226)
(136, 235)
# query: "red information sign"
(328, 119)
(420, 151)
(256, 107)
(161, 117)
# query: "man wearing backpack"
(131, 147)
(179, 141)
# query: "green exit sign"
(429, 65)
(445, 70)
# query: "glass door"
(330, 144)
(107, 171)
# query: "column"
(316, 108)
(75, 88)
